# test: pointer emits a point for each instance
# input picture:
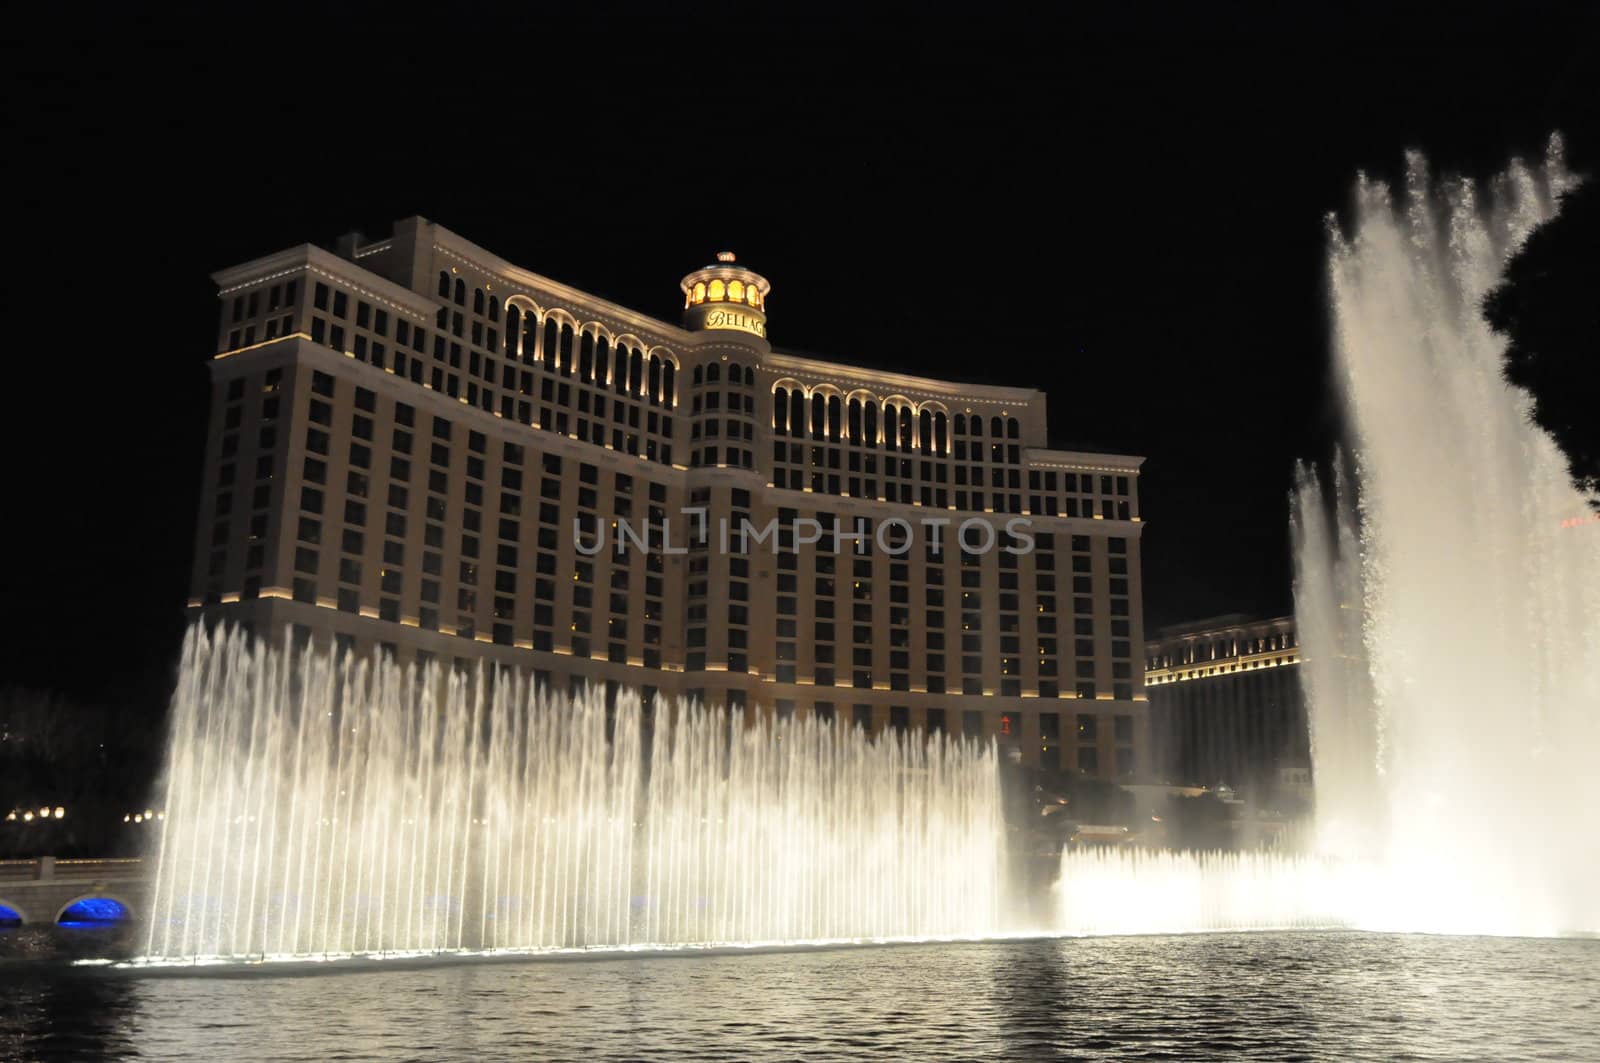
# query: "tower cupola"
(726, 296)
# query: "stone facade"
(418, 447)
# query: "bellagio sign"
(736, 319)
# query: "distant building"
(408, 434)
(1227, 705)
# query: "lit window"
(752, 295)
(715, 292)
(736, 291)
(700, 291)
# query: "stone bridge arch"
(127, 909)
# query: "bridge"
(42, 890)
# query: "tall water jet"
(1479, 611)
(1347, 746)
(1449, 616)
(318, 808)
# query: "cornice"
(1076, 460)
(1206, 633)
(911, 386)
(308, 258)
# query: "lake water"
(1313, 995)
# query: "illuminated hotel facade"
(419, 448)
(1227, 704)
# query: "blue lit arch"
(11, 915)
(94, 911)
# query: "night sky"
(1127, 214)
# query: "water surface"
(1306, 995)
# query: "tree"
(93, 761)
(1547, 309)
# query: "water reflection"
(1330, 995)
(56, 1013)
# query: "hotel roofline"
(1220, 624)
(325, 263)
(544, 290)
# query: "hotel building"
(420, 448)
(1227, 705)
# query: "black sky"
(1126, 211)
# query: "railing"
(49, 869)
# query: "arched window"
(655, 378)
(961, 424)
(869, 427)
(566, 350)
(494, 308)
(819, 413)
(513, 331)
(976, 425)
(997, 428)
(716, 291)
(736, 291)
(735, 374)
(780, 411)
(925, 431)
(907, 439)
(461, 292)
(530, 338)
(751, 295)
(699, 291)
(890, 420)
(478, 305)
(941, 434)
(749, 377)
(552, 341)
(699, 375)
(1013, 428)
(713, 373)
(835, 415)
(668, 384)
(444, 284)
(797, 413)
(586, 358)
(636, 373)
(602, 360)
(853, 425)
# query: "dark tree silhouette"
(1548, 308)
(96, 762)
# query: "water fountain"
(355, 808)
(1449, 611)
(1450, 621)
